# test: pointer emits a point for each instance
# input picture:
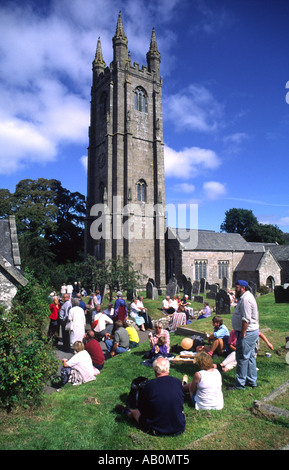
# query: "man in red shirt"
(92, 346)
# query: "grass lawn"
(83, 418)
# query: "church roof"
(207, 240)
(250, 262)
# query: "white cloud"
(84, 160)
(46, 55)
(189, 162)
(22, 144)
(184, 188)
(194, 108)
(214, 189)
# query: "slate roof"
(280, 252)
(250, 262)
(207, 240)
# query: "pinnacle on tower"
(153, 45)
(119, 33)
(153, 55)
(98, 64)
(98, 55)
(119, 43)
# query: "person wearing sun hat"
(245, 322)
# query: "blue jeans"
(109, 344)
(246, 361)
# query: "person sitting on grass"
(219, 338)
(206, 388)
(158, 349)
(230, 362)
(161, 403)
(159, 331)
(132, 335)
(79, 368)
(120, 343)
(206, 312)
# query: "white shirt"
(209, 395)
(83, 359)
(165, 303)
(102, 321)
(246, 310)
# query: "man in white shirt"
(167, 309)
(101, 324)
(245, 322)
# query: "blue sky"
(225, 68)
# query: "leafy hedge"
(27, 360)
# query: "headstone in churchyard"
(199, 299)
(184, 280)
(281, 294)
(188, 288)
(225, 283)
(223, 303)
(131, 294)
(151, 291)
(172, 287)
(203, 286)
(211, 295)
(214, 288)
(253, 287)
(196, 288)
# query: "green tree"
(116, 274)
(244, 222)
(50, 223)
(266, 233)
(239, 221)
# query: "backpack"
(198, 341)
(136, 388)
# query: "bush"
(27, 359)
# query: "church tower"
(125, 182)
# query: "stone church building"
(126, 182)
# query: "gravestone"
(184, 280)
(188, 288)
(214, 288)
(225, 283)
(199, 299)
(196, 288)
(131, 294)
(151, 291)
(211, 295)
(223, 303)
(203, 286)
(281, 295)
(253, 287)
(172, 287)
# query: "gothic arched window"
(141, 190)
(140, 100)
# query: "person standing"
(63, 318)
(245, 322)
(77, 321)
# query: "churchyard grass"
(83, 417)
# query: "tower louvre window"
(141, 190)
(140, 100)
